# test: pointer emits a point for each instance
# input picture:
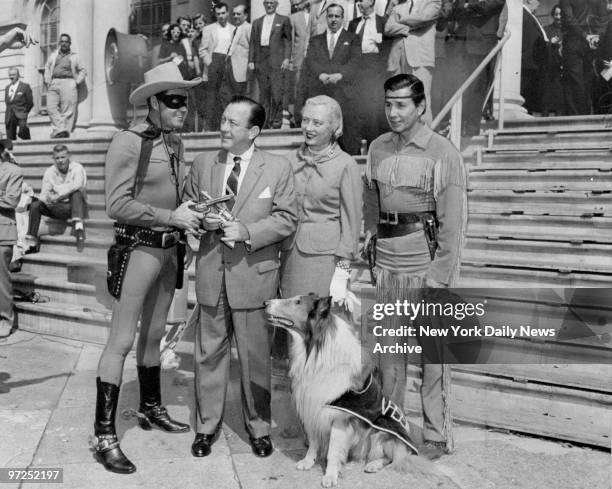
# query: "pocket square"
(266, 194)
(345, 43)
(278, 25)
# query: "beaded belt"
(146, 236)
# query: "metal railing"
(455, 104)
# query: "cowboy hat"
(159, 79)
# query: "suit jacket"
(300, 37)
(21, 103)
(413, 27)
(280, 41)
(266, 205)
(10, 192)
(385, 46)
(345, 60)
(239, 52)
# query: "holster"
(370, 255)
(118, 259)
(180, 264)
(430, 227)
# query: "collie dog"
(326, 362)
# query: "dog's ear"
(323, 306)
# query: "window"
(148, 16)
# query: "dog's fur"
(326, 362)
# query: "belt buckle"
(169, 240)
(393, 221)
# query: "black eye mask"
(173, 101)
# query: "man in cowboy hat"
(144, 174)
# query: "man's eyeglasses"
(173, 101)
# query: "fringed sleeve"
(450, 193)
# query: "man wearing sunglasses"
(144, 175)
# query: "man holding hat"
(10, 192)
(144, 182)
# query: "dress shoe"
(80, 239)
(262, 446)
(201, 445)
(33, 248)
(433, 450)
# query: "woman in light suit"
(328, 188)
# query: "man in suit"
(582, 23)
(237, 269)
(369, 109)
(300, 37)
(477, 23)
(269, 56)
(214, 50)
(18, 100)
(331, 67)
(237, 74)
(318, 15)
(10, 192)
(413, 26)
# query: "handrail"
(466, 84)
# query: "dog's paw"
(329, 480)
(305, 464)
(374, 466)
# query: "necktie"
(12, 90)
(332, 45)
(232, 181)
(363, 26)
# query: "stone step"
(561, 203)
(579, 122)
(570, 179)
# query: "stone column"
(107, 14)
(511, 68)
(76, 19)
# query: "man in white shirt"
(300, 35)
(62, 196)
(269, 55)
(214, 51)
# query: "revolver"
(218, 205)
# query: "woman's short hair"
(335, 112)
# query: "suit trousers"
(62, 104)
(231, 87)
(577, 75)
(271, 88)
(6, 286)
(74, 209)
(11, 128)
(147, 292)
(213, 104)
(217, 325)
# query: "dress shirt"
(224, 38)
(245, 159)
(266, 29)
(370, 35)
(13, 89)
(186, 42)
(332, 40)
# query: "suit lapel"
(217, 174)
(250, 179)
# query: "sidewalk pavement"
(47, 397)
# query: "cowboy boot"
(105, 442)
(151, 411)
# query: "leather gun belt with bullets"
(127, 238)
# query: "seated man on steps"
(62, 196)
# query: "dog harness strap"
(380, 413)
